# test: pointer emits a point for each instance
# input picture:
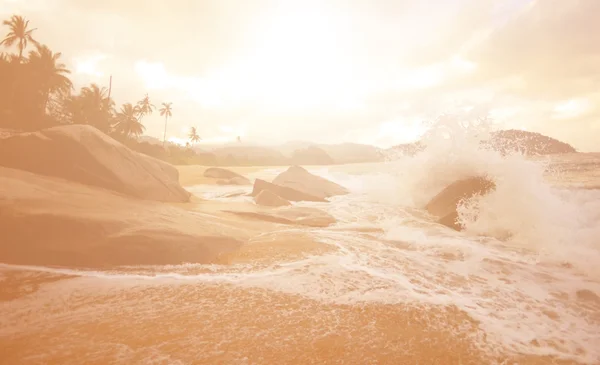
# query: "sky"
(331, 71)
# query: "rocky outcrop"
(269, 199)
(284, 192)
(83, 154)
(311, 156)
(444, 205)
(226, 177)
(220, 173)
(50, 221)
(298, 178)
(301, 216)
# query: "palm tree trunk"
(21, 46)
(46, 98)
(165, 134)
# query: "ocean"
(384, 285)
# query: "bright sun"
(300, 57)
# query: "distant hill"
(407, 149)
(250, 156)
(341, 153)
(352, 152)
(528, 143)
(312, 155)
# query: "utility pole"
(109, 87)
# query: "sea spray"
(524, 209)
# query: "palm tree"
(92, 106)
(127, 121)
(144, 107)
(194, 137)
(239, 139)
(50, 73)
(166, 112)
(18, 34)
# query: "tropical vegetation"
(36, 91)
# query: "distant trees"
(193, 136)
(166, 112)
(145, 107)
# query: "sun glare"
(292, 65)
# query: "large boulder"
(300, 179)
(269, 199)
(49, 221)
(444, 205)
(83, 154)
(284, 192)
(220, 173)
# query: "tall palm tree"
(145, 107)
(50, 72)
(166, 112)
(194, 137)
(127, 121)
(18, 34)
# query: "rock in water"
(284, 192)
(220, 173)
(270, 199)
(300, 179)
(444, 205)
(83, 154)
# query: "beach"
(382, 285)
